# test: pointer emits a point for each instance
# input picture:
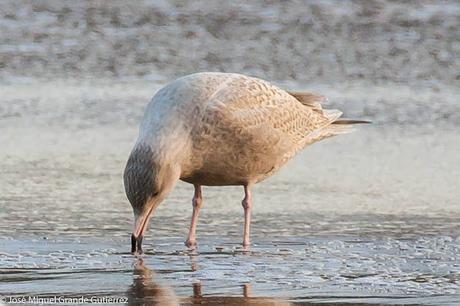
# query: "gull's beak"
(143, 210)
(140, 226)
(136, 244)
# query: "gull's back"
(230, 129)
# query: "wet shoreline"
(302, 269)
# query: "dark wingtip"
(351, 121)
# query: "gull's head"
(147, 183)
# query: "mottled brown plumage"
(220, 129)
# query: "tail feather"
(332, 114)
(328, 131)
(337, 126)
(334, 125)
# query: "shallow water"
(338, 262)
(369, 217)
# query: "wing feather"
(309, 99)
(249, 103)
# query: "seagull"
(219, 129)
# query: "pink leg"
(196, 202)
(247, 205)
(247, 290)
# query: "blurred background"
(75, 77)
(411, 46)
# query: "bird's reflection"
(145, 290)
(245, 299)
